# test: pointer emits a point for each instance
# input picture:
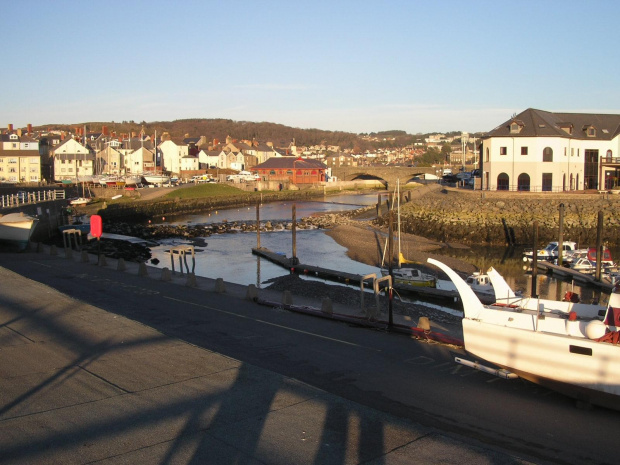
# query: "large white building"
(543, 151)
(19, 159)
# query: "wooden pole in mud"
(258, 224)
(535, 260)
(599, 246)
(560, 235)
(390, 261)
(295, 261)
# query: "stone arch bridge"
(389, 174)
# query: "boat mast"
(398, 223)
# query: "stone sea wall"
(498, 218)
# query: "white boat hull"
(156, 178)
(576, 366)
(554, 343)
(17, 228)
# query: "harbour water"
(229, 256)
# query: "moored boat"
(550, 252)
(156, 178)
(17, 228)
(567, 346)
(81, 201)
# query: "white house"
(171, 155)
(139, 161)
(209, 158)
(189, 163)
(109, 161)
(543, 151)
(73, 161)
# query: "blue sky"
(358, 66)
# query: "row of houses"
(535, 150)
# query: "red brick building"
(292, 169)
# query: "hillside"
(279, 134)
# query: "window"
(487, 155)
(503, 182)
(548, 154)
(523, 150)
(547, 182)
(503, 150)
(591, 132)
(572, 152)
(523, 182)
(12, 160)
(515, 128)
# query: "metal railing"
(23, 198)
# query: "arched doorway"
(503, 182)
(523, 182)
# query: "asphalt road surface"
(389, 372)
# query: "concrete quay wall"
(497, 218)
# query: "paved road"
(209, 372)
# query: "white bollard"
(142, 269)
(287, 298)
(326, 306)
(166, 275)
(220, 286)
(191, 280)
(252, 292)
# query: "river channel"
(229, 256)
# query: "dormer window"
(590, 131)
(567, 127)
(515, 127)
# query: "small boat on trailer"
(17, 228)
(566, 346)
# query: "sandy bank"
(365, 244)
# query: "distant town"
(534, 150)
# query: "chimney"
(19, 132)
(29, 128)
(216, 142)
(10, 127)
(104, 130)
(133, 134)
